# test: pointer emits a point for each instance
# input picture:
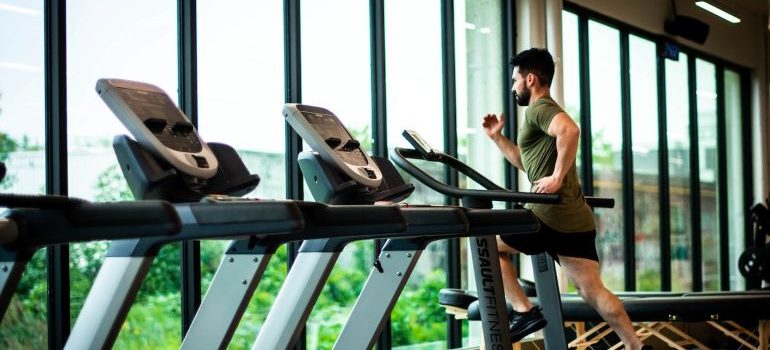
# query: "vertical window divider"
(454, 328)
(722, 203)
(748, 176)
(509, 51)
(449, 91)
(379, 117)
(663, 184)
(585, 107)
(629, 245)
(292, 94)
(57, 256)
(695, 217)
(190, 252)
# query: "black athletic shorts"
(574, 244)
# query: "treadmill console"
(158, 125)
(324, 132)
(420, 144)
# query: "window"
(736, 202)
(336, 75)
(240, 96)
(644, 126)
(678, 119)
(570, 65)
(414, 101)
(478, 34)
(706, 95)
(111, 39)
(22, 149)
(606, 137)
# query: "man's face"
(519, 88)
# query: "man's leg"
(513, 290)
(585, 274)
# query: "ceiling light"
(717, 11)
(19, 9)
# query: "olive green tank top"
(538, 155)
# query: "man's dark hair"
(536, 61)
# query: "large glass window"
(607, 142)
(678, 126)
(478, 34)
(414, 101)
(240, 96)
(736, 215)
(644, 126)
(113, 39)
(22, 149)
(571, 71)
(336, 75)
(708, 166)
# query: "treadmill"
(169, 160)
(546, 282)
(340, 171)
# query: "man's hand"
(493, 126)
(548, 184)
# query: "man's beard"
(523, 99)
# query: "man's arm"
(510, 151)
(494, 129)
(567, 134)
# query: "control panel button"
(351, 145)
(156, 125)
(333, 142)
(182, 128)
(201, 161)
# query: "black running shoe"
(526, 323)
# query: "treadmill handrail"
(84, 221)
(493, 192)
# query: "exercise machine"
(170, 161)
(545, 276)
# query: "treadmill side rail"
(10, 275)
(377, 299)
(226, 300)
(108, 301)
(293, 304)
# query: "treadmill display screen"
(328, 126)
(177, 134)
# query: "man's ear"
(530, 79)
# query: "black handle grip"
(599, 202)
(10, 200)
(95, 221)
(135, 213)
(492, 193)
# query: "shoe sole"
(529, 329)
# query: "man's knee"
(589, 287)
